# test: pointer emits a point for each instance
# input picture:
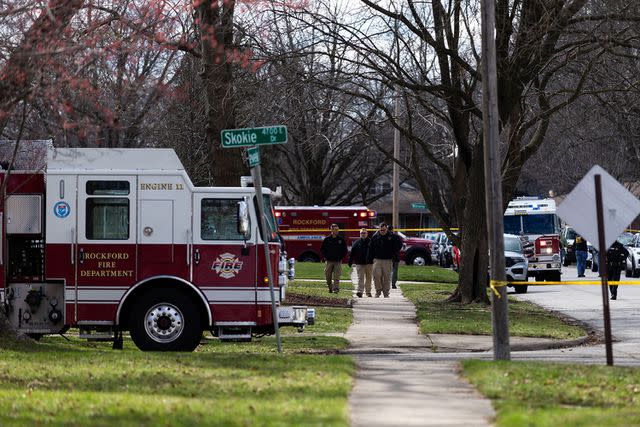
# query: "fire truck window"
(218, 219)
(512, 224)
(107, 218)
(108, 188)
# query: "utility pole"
(493, 182)
(395, 220)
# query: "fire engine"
(112, 240)
(303, 228)
(536, 220)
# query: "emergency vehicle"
(303, 228)
(536, 220)
(112, 240)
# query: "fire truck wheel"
(165, 320)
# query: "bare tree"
(329, 159)
(429, 54)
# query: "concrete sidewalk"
(392, 389)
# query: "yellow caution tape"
(494, 284)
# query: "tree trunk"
(474, 250)
(215, 24)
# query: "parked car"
(416, 250)
(516, 262)
(441, 253)
(438, 245)
(633, 261)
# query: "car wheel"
(165, 320)
(520, 289)
(418, 259)
(594, 267)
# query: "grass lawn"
(315, 270)
(328, 319)
(56, 382)
(437, 317)
(546, 394)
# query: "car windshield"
(625, 238)
(512, 244)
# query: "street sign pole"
(256, 173)
(603, 270)
(493, 183)
(252, 138)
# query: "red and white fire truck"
(112, 240)
(536, 220)
(303, 228)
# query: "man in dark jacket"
(616, 261)
(333, 249)
(382, 251)
(358, 255)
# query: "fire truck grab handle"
(73, 246)
(188, 247)
(196, 257)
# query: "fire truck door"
(224, 265)
(106, 242)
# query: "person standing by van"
(333, 249)
(580, 249)
(358, 255)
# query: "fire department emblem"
(61, 209)
(227, 265)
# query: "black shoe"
(378, 294)
(614, 296)
(369, 295)
(359, 294)
(394, 287)
(336, 290)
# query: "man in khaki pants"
(358, 255)
(333, 249)
(382, 251)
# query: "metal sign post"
(603, 270)
(256, 173)
(251, 137)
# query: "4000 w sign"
(247, 137)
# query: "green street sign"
(253, 156)
(247, 137)
(419, 205)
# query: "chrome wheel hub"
(164, 322)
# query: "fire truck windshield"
(272, 228)
(530, 224)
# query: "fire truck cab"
(303, 228)
(536, 220)
(112, 240)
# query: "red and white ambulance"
(303, 228)
(112, 240)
